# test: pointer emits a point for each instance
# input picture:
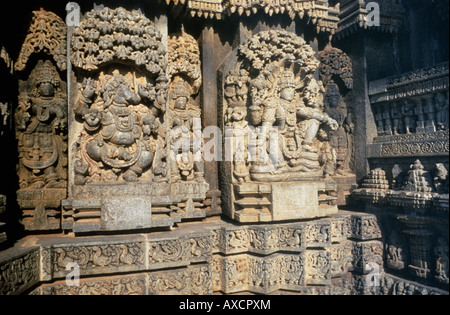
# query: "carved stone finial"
(418, 179)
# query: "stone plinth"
(345, 185)
(131, 206)
(41, 208)
(213, 257)
(266, 202)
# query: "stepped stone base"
(322, 256)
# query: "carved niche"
(396, 255)
(119, 107)
(128, 89)
(185, 115)
(336, 73)
(277, 151)
(41, 123)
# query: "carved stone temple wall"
(193, 147)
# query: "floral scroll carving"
(47, 34)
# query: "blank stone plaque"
(294, 201)
(126, 213)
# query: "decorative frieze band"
(19, 270)
(283, 257)
(268, 239)
(391, 285)
(324, 17)
(193, 280)
(356, 15)
(265, 275)
(411, 113)
(439, 147)
(107, 257)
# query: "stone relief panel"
(275, 122)
(98, 258)
(42, 123)
(442, 263)
(292, 257)
(395, 249)
(41, 119)
(134, 122)
(417, 188)
(19, 273)
(411, 113)
(391, 285)
(415, 203)
(120, 107)
(195, 280)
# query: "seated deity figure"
(280, 111)
(119, 127)
(298, 121)
(312, 112)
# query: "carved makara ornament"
(273, 87)
(41, 121)
(121, 109)
(184, 69)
